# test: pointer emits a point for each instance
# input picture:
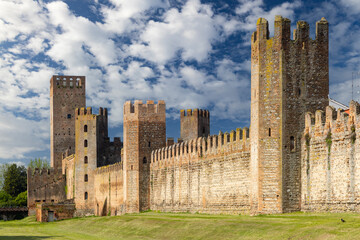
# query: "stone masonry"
(289, 160)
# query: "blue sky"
(192, 54)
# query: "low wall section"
(331, 161)
(45, 186)
(208, 175)
(109, 191)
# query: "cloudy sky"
(192, 54)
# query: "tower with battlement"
(66, 94)
(144, 131)
(91, 132)
(194, 123)
(289, 77)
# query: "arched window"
(292, 143)
(85, 159)
(144, 160)
(85, 128)
(85, 143)
(86, 196)
(86, 178)
(269, 132)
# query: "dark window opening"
(85, 128)
(149, 144)
(85, 143)
(86, 196)
(69, 116)
(269, 132)
(292, 143)
(86, 178)
(131, 167)
(203, 130)
(299, 92)
(144, 160)
(85, 159)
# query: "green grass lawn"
(151, 225)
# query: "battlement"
(282, 30)
(195, 112)
(140, 108)
(67, 81)
(203, 146)
(88, 112)
(340, 121)
(109, 168)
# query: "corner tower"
(288, 79)
(66, 94)
(144, 131)
(194, 123)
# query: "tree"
(21, 199)
(15, 180)
(39, 163)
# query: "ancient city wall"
(331, 160)
(209, 175)
(109, 190)
(44, 186)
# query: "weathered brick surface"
(204, 175)
(109, 190)
(66, 94)
(60, 211)
(44, 186)
(331, 160)
(288, 78)
(194, 123)
(144, 131)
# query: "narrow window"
(85, 128)
(269, 132)
(299, 92)
(292, 143)
(69, 116)
(149, 144)
(64, 83)
(86, 178)
(86, 196)
(144, 160)
(85, 143)
(85, 159)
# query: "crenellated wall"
(109, 190)
(331, 160)
(203, 175)
(44, 186)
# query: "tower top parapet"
(282, 30)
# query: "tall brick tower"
(194, 123)
(144, 131)
(288, 79)
(91, 132)
(66, 94)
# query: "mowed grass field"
(152, 225)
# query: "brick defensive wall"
(44, 186)
(208, 175)
(109, 190)
(331, 160)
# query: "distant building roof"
(337, 105)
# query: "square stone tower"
(144, 131)
(194, 123)
(91, 132)
(288, 78)
(66, 94)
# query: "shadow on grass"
(26, 237)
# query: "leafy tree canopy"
(15, 180)
(39, 163)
